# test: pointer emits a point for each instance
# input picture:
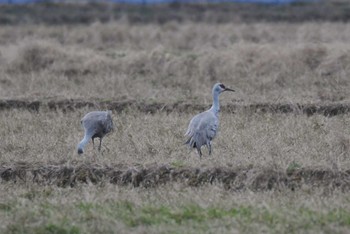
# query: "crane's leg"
(199, 152)
(93, 143)
(99, 147)
(209, 147)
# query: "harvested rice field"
(280, 161)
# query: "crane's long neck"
(216, 105)
(83, 142)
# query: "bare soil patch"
(331, 109)
(256, 179)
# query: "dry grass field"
(290, 63)
(275, 167)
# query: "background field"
(275, 167)
(265, 62)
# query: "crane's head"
(220, 87)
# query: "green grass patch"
(178, 163)
(85, 206)
(81, 216)
(55, 229)
(293, 166)
(44, 229)
(5, 207)
(339, 216)
(133, 215)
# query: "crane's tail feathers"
(80, 151)
(191, 143)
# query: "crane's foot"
(199, 153)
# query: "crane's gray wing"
(208, 126)
(97, 122)
(108, 123)
(193, 125)
(212, 128)
(202, 129)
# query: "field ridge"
(326, 109)
(253, 178)
(77, 13)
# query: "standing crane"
(96, 124)
(203, 127)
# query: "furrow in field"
(330, 109)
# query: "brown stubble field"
(269, 172)
(281, 62)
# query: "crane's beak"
(228, 89)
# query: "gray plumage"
(95, 124)
(204, 126)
